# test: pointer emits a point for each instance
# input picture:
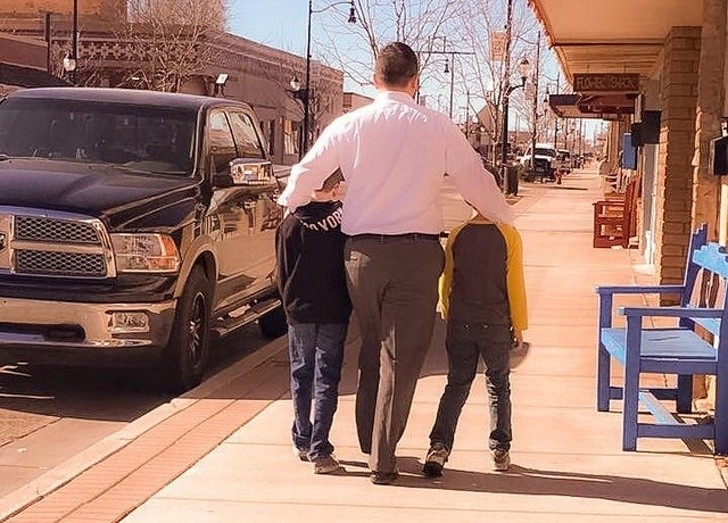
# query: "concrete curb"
(73, 467)
(722, 463)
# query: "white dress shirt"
(394, 154)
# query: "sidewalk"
(224, 453)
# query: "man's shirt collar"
(399, 96)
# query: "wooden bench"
(677, 350)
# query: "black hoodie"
(310, 259)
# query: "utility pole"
(452, 82)
(75, 40)
(48, 42)
(535, 101)
(556, 117)
(307, 100)
(467, 113)
(506, 95)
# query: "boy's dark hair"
(396, 64)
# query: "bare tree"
(169, 41)
(353, 48)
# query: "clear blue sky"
(282, 24)
(277, 23)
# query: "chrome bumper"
(32, 323)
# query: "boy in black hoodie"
(312, 284)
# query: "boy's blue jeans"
(316, 353)
(466, 343)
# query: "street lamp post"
(74, 50)
(532, 165)
(449, 67)
(305, 94)
(523, 68)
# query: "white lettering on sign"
(611, 83)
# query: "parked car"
(133, 224)
(540, 165)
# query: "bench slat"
(652, 404)
(665, 344)
(713, 257)
(682, 431)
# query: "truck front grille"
(41, 229)
(43, 243)
(52, 263)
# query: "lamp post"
(304, 94)
(532, 165)
(556, 117)
(523, 69)
(74, 45)
(449, 67)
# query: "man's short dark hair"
(396, 64)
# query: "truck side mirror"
(246, 172)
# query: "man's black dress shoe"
(384, 478)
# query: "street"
(50, 414)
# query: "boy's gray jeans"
(466, 343)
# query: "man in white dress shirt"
(393, 155)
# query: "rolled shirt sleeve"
(310, 173)
(474, 182)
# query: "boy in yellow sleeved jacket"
(483, 299)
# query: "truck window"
(246, 137)
(221, 144)
(152, 139)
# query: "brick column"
(706, 187)
(677, 146)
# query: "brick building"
(666, 60)
(676, 49)
(256, 73)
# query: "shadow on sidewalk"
(535, 482)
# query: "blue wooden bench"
(676, 350)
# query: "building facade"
(656, 69)
(109, 57)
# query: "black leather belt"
(409, 236)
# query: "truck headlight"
(145, 253)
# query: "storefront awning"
(615, 36)
(604, 106)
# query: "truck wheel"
(185, 357)
(273, 324)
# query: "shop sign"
(607, 83)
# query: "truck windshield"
(144, 138)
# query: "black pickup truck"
(133, 224)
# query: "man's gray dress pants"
(392, 281)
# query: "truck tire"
(273, 324)
(185, 357)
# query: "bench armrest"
(671, 312)
(639, 289)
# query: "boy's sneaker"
(325, 465)
(301, 454)
(435, 460)
(501, 460)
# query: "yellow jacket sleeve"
(514, 277)
(445, 283)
